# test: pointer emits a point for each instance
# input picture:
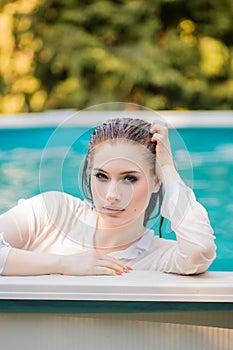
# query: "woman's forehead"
(119, 152)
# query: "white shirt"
(58, 223)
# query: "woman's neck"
(109, 238)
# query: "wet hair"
(135, 131)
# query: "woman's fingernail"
(118, 273)
(129, 268)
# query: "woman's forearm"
(25, 263)
(195, 248)
(169, 175)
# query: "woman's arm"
(164, 168)
(25, 263)
(15, 227)
(23, 223)
(18, 226)
(195, 249)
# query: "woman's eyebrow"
(122, 173)
(99, 169)
(130, 172)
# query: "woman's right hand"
(91, 263)
(165, 168)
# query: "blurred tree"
(164, 54)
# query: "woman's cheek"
(98, 190)
(142, 196)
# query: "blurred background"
(165, 54)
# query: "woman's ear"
(157, 185)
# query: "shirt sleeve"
(21, 224)
(18, 226)
(194, 250)
(4, 251)
(32, 218)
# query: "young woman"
(127, 163)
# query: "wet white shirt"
(58, 223)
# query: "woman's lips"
(110, 210)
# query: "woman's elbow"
(200, 260)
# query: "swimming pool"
(23, 174)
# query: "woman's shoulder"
(53, 201)
(62, 198)
(59, 195)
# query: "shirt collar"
(138, 247)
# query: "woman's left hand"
(165, 168)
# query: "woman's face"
(121, 182)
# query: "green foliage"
(164, 54)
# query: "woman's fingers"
(157, 137)
(112, 263)
(158, 125)
(91, 263)
(159, 131)
(108, 265)
(164, 166)
(100, 270)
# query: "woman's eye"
(101, 176)
(130, 178)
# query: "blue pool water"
(30, 164)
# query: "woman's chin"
(116, 221)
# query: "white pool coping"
(137, 285)
(71, 118)
(133, 286)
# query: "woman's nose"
(112, 194)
